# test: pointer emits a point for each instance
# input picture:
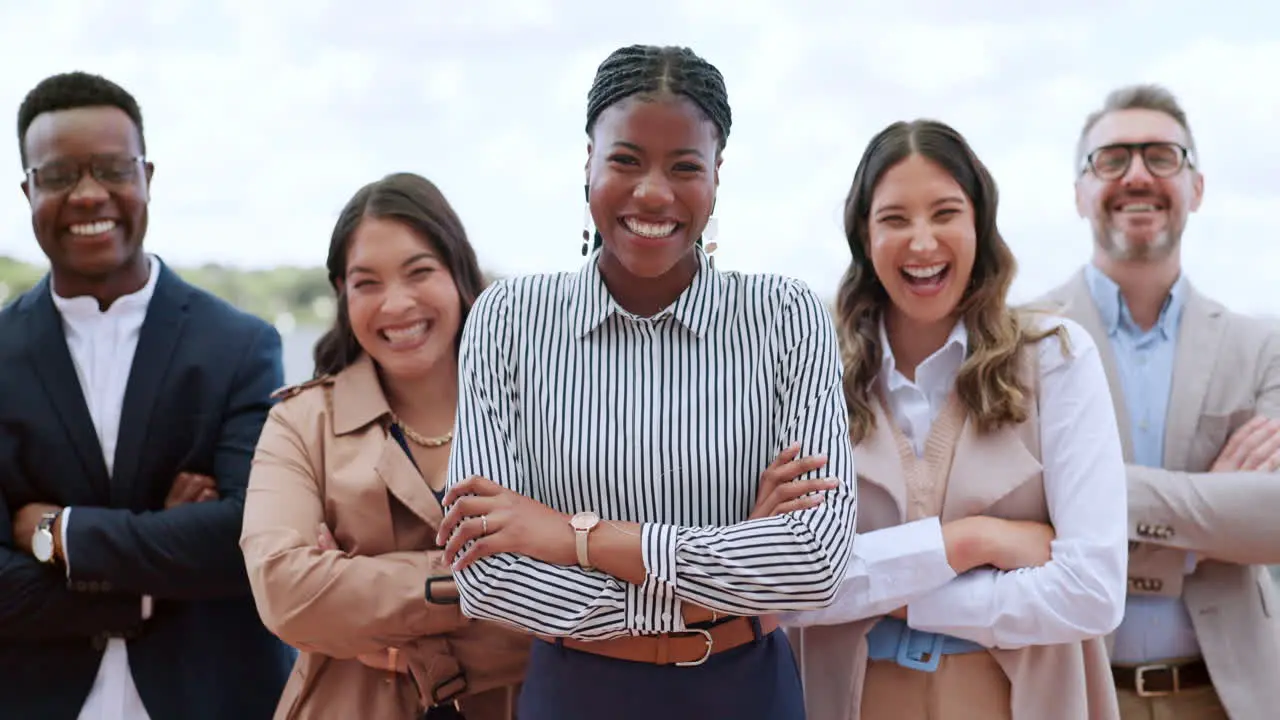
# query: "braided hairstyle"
(650, 72)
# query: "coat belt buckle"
(706, 653)
(910, 655)
(438, 694)
(1140, 680)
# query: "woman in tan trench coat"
(343, 504)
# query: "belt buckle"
(706, 635)
(1140, 680)
(922, 660)
(459, 676)
(437, 600)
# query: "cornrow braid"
(652, 70)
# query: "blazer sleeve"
(35, 600)
(190, 551)
(325, 600)
(1229, 517)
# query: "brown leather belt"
(1161, 678)
(685, 648)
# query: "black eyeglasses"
(59, 175)
(1163, 159)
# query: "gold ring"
(484, 524)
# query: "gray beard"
(1116, 246)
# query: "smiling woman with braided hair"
(605, 479)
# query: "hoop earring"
(709, 239)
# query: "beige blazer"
(1227, 369)
(998, 475)
(325, 455)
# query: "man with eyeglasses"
(130, 405)
(1196, 390)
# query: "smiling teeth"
(653, 230)
(926, 272)
(1138, 207)
(94, 228)
(399, 335)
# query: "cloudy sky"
(262, 119)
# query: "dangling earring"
(587, 224)
(709, 239)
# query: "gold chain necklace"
(426, 442)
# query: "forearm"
(1228, 517)
(189, 552)
(550, 599)
(36, 604)
(782, 563)
(1079, 594)
(889, 568)
(343, 606)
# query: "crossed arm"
(522, 569)
(188, 551)
(310, 593)
(978, 578)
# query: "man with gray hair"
(1197, 394)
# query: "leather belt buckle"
(1140, 680)
(460, 678)
(706, 653)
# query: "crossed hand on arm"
(187, 487)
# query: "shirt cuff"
(64, 519)
(964, 609)
(652, 606)
(912, 550)
(889, 568)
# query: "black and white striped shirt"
(667, 421)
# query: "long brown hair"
(417, 202)
(990, 383)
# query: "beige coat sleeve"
(1229, 517)
(324, 600)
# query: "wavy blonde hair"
(991, 382)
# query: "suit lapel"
(1199, 336)
(52, 362)
(1081, 308)
(161, 333)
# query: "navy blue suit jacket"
(196, 399)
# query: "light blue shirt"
(1155, 628)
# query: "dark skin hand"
(186, 488)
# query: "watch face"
(42, 545)
(584, 520)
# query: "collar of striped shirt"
(590, 303)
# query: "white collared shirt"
(1080, 592)
(102, 345)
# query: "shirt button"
(666, 616)
(640, 620)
